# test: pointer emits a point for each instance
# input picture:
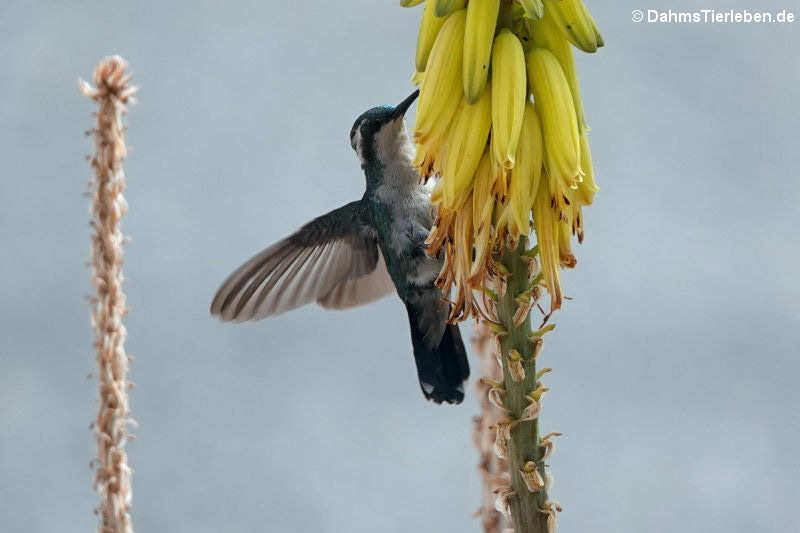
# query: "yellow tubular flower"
(526, 174)
(509, 93)
(506, 223)
(429, 28)
(465, 145)
(410, 3)
(545, 222)
(439, 231)
(440, 82)
(587, 188)
(500, 176)
(500, 221)
(577, 223)
(556, 110)
(565, 255)
(561, 196)
(481, 24)
(463, 262)
(430, 147)
(545, 33)
(440, 92)
(436, 194)
(577, 24)
(482, 193)
(536, 147)
(483, 247)
(598, 36)
(483, 204)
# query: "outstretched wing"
(334, 260)
(361, 290)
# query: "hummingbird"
(363, 251)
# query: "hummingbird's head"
(379, 136)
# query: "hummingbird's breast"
(403, 220)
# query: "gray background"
(675, 363)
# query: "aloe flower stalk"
(501, 126)
(527, 501)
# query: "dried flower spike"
(494, 471)
(112, 474)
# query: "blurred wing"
(358, 291)
(313, 264)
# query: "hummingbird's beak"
(403, 106)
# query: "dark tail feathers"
(441, 370)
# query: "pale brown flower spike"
(112, 476)
(493, 469)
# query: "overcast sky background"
(676, 362)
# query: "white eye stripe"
(356, 135)
(357, 145)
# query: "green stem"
(524, 444)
